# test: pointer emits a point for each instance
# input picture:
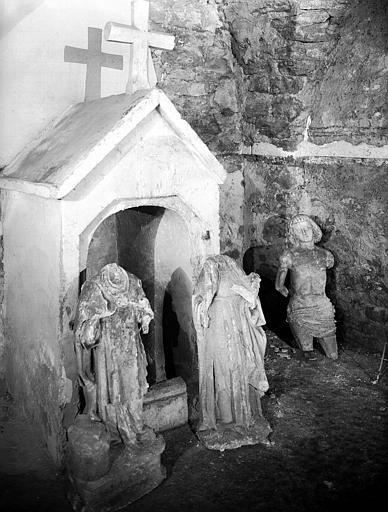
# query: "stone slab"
(165, 405)
(231, 436)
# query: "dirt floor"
(329, 448)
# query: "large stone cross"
(141, 70)
(94, 60)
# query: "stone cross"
(141, 70)
(94, 60)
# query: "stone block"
(88, 448)
(319, 4)
(229, 437)
(165, 405)
(135, 472)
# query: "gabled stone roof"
(73, 145)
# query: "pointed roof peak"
(74, 144)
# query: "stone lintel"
(337, 149)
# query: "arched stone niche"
(160, 242)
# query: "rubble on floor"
(328, 448)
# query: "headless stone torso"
(309, 313)
(308, 270)
(231, 347)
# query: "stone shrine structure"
(116, 180)
(120, 179)
(114, 458)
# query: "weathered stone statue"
(231, 346)
(310, 313)
(112, 371)
(110, 355)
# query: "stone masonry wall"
(248, 71)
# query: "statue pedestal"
(89, 444)
(231, 436)
(132, 472)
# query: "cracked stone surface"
(246, 71)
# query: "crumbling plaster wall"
(249, 71)
(291, 97)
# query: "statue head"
(115, 282)
(302, 229)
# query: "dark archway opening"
(153, 243)
(273, 303)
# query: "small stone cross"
(141, 70)
(94, 60)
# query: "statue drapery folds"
(111, 358)
(231, 346)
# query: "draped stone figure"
(112, 368)
(310, 312)
(111, 358)
(231, 346)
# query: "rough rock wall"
(279, 72)
(246, 71)
(351, 210)
(350, 96)
(199, 75)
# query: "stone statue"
(112, 370)
(231, 346)
(310, 313)
(110, 354)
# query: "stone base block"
(135, 471)
(231, 436)
(165, 405)
(88, 449)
